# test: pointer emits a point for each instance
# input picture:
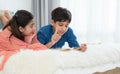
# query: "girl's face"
(29, 29)
(60, 27)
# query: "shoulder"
(69, 30)
(45, 28)
(69, 33)
(45, 31)
(5, 32)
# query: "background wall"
(95, 21)
(14, 5)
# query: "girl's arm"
(5, 17)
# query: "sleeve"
(72, 40)
(37, 46)
(41, 37)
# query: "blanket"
(49, 61)
(4, 56)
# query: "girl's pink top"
(10, 45)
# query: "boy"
(57, 33)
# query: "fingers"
(5, 17)
(7, 14)
(1, 12)
(4, 20)
(56, 32)
(83, 47)
(84, 44)
(55, 37)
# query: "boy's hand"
(82, 48)
(55, 37)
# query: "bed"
(97, 59)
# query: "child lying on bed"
(19, 33)
(73, 43)
(58, 32)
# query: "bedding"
(113, 71)
(97, 58)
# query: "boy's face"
(60, 27)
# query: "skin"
(29, 29)
(59, 29)
(5, 17)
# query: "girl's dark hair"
(61, 14)
(21, 18)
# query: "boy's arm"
(55, 38)
(72, 41)
(82, 47)
(42, 39)
(49, 44)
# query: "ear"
(52, 22)
(21, 29)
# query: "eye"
(60, 24)
(66, 25)
(32, 25)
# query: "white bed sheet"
(89, 70)
(98, 57)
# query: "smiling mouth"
(61, 33)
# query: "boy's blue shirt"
(45, 33)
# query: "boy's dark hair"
(21, 18)
(61, 14)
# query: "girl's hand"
(31, 38)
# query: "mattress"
(97, 58)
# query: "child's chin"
(61, 34)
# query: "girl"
(19, 33)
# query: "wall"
(52, 5)
(14, 5)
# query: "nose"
(34, 28)
(64, 28)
